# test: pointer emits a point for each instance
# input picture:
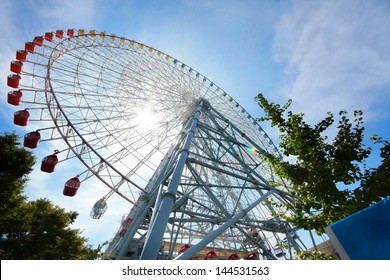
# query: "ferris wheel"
(187, 158)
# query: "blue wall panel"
(365, 235)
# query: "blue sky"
(324, 55)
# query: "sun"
(145, 119)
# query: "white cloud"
(337, 55)
(79, 14)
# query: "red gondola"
(14, 97)
(13, 80)
(38, 41)
(49, 36)
(21, 117)
(49, 163)
(70, 32)
(184, 248)
(211, 256)
(122, 232)
(127, 222)
(252, 256)
(125, 226)
(29, 47)
(16, 66)
(31, 139)
(233, 257)
(60, 34)
(71, 186)
(21, 55)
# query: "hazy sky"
(324, 55)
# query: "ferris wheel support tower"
(167, 199)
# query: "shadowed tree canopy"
(33, 230)
(376, 182)
(15, 164)
(323, 172)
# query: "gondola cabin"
(14, 97)
(49, 163)
(49, 36)
(279, 252)
(98, 209)
(31, 139)
(252, 256)
(13, 80)
(21, 117)
(21, 55)
(16, 66)
(184, 248)
(70, 32)
(125, 226)
(29, 47)
(233, 257)
(211, 256)
(71, 187)
(38, 41)
(60, 34)
(122, 232)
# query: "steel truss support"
(144, 203)
(212, 235)
(164, 207)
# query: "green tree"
(317, 167)
(15, 164)
(313, 255)
(33, 229)
(376, 182)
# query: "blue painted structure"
(364, 235)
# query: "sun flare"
(145, 119)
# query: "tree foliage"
(376, 181)
(15, 164)
(313, 255)
(33, 229)
(317, 167)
